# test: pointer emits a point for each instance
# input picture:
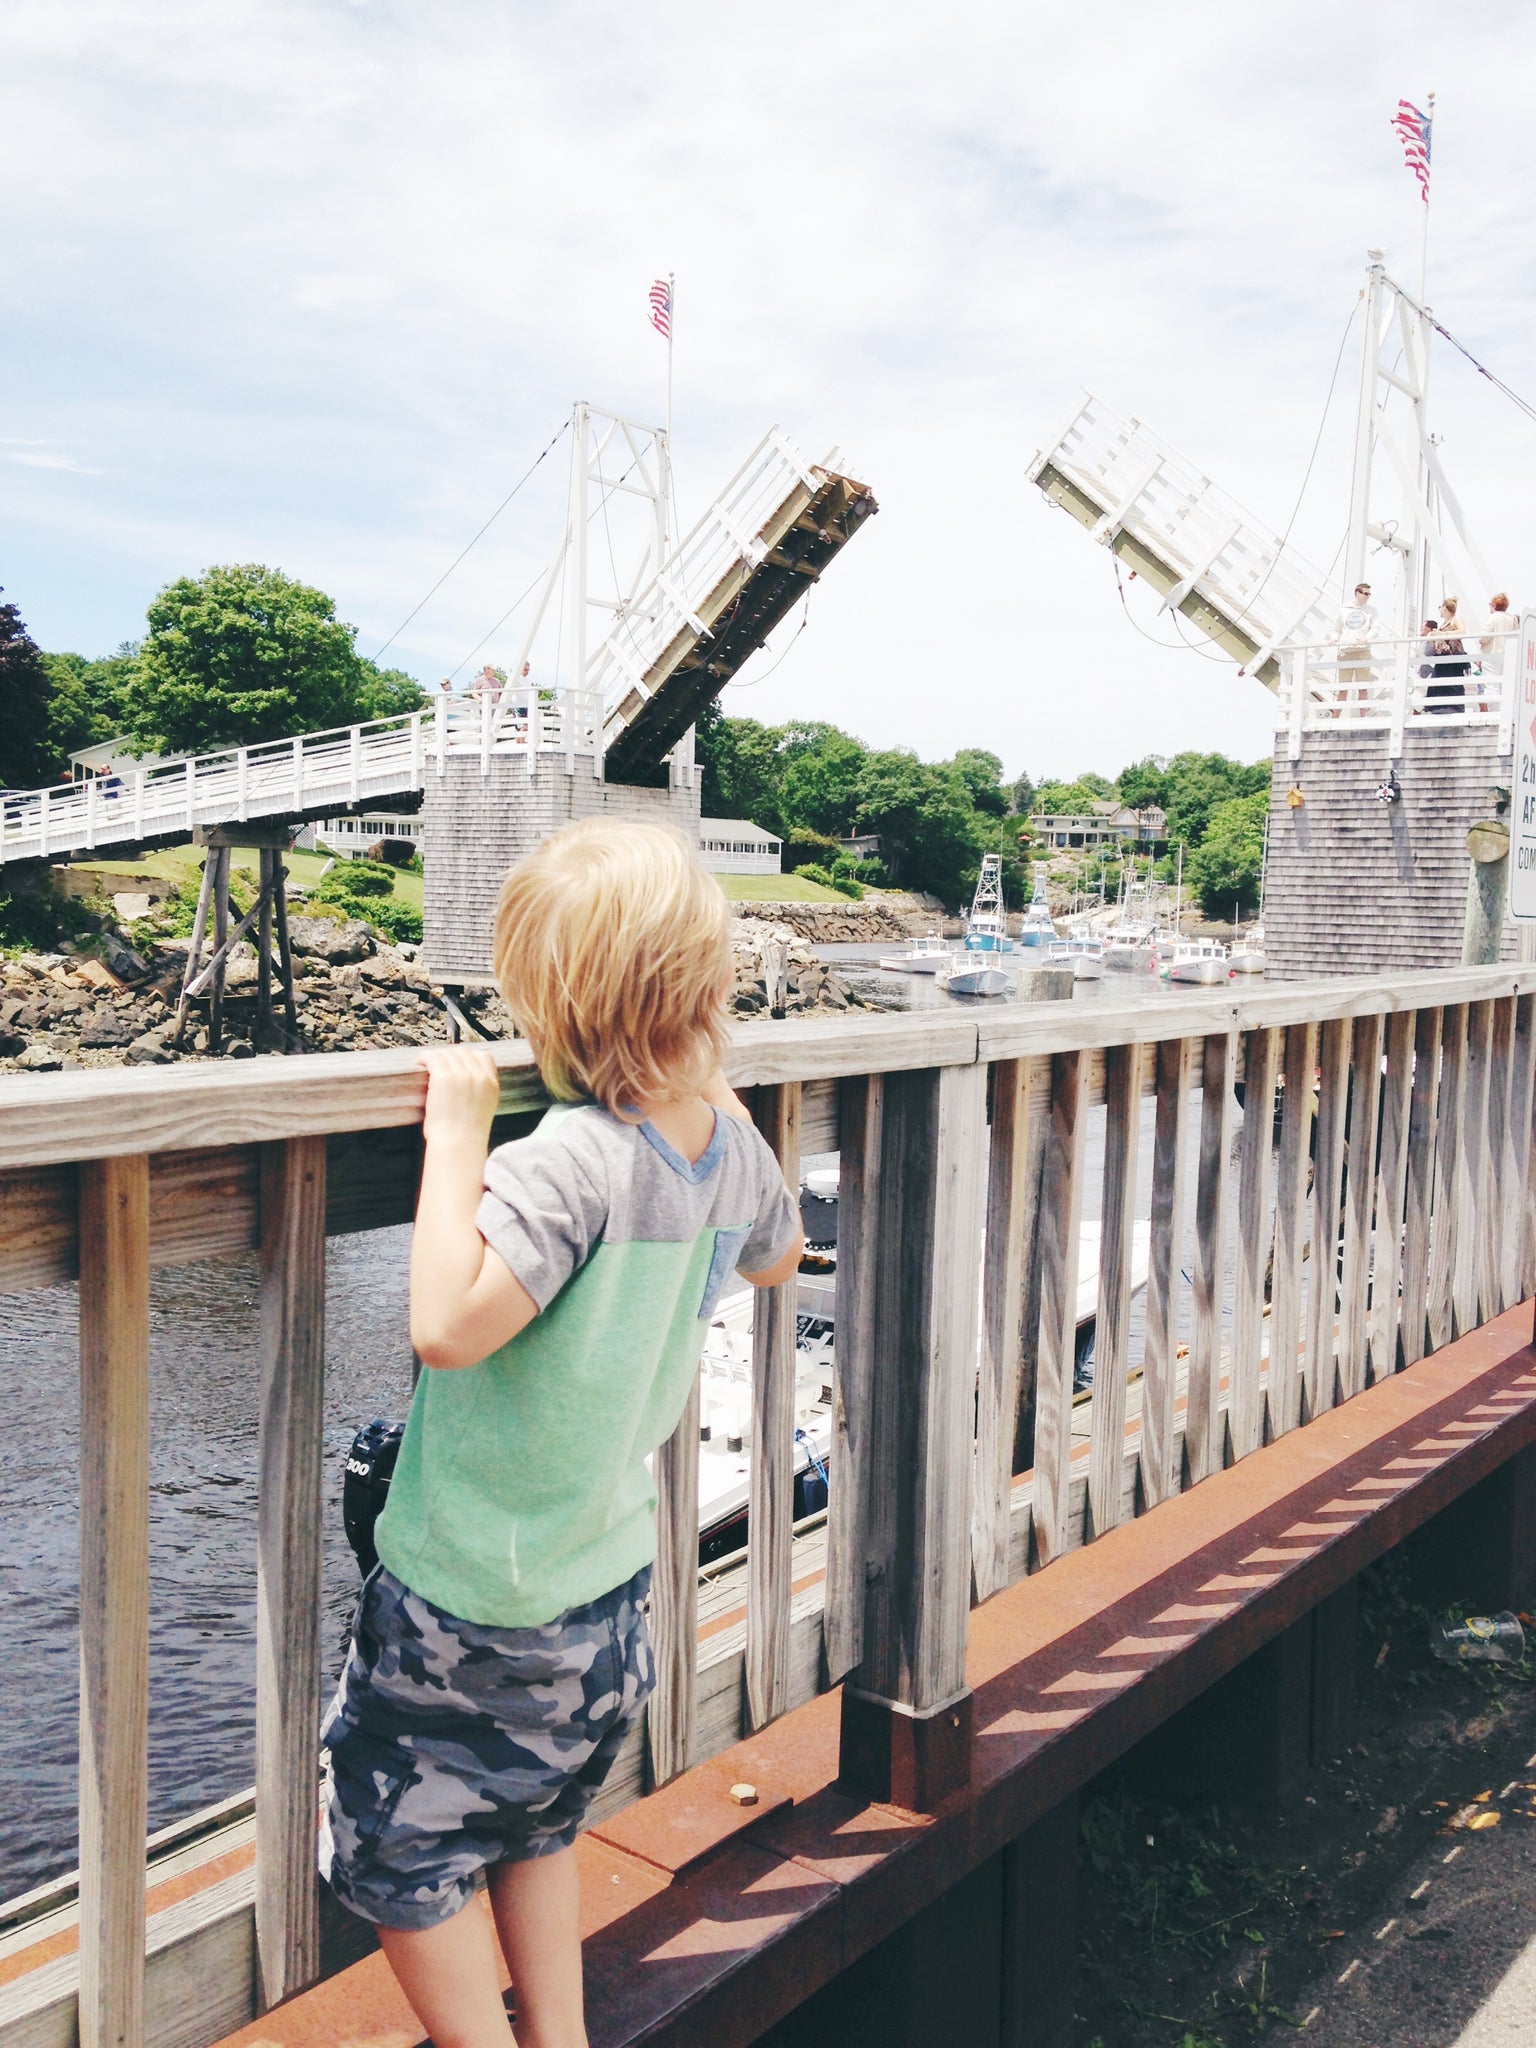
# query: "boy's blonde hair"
(612, 948)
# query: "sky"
(312, 282)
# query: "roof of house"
(735, 828)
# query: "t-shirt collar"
(697, 1170)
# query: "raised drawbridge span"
(696, 614)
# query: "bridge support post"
(268, 919)
(915, 1223)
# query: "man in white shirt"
(1356, 628)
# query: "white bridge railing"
(1390, 685)
(313, 773)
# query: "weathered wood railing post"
(288, 1522)
(771, 1468)
(906, 1721)
(675, 1598)
(114, 1597)
(861, 1102)
(1013, 1187)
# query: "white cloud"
(316, 280)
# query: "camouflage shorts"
(454, 1746)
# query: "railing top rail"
(49, 1119)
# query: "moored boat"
(973, 978)
(923, 956)
(1201, 961)
(1038, 929)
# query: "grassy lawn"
(777, 889)
(184, 864)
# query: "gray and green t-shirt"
(521, 1487)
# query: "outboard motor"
(365, 1485)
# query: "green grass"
(776, 889)
(184, 864)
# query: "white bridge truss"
(683, 616)
(1253, 594)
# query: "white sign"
(1521, 685)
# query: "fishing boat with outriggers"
(986, 929)
(1038, 928)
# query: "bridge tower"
(1379, 771)
(634, 630)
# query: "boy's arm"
(465, 1304)
(719, 1092)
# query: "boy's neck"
(687, 1122)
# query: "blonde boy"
(560, 1291)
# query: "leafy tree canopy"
(1196, 783)
(1059, 799)
(85, 703)
(982, 774)
(1227, 866)
(244, 653)
(26, 754)
(1021, 795)
(1143, 782)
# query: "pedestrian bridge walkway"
(670, 651)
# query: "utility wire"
(1482, 370)
(506, 501)
(767, 672)
(1317, 442)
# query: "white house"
(735, 846)
(356, 835)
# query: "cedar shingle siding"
(1357, 886)
(474, 826)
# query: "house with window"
(735, 846)
(1106, 823)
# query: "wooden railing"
(1376, 1201)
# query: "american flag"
(1413, 126)
(661, 308)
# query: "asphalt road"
(1451, 1962)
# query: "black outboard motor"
(365, 1485)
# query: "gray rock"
(239, 1049)
(322, 939)
(108, 1029)
(147, 1051)
(39, 1059)
(122, 959)
(11, 1042)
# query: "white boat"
(1202, 961)
(725, 1383)
(1037, 929)
(1085, 957)
(978, 978)
(924, 956)
(1247, 955)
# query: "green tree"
(982, 774)
(386, 693)
(26, 752)
(1021, 795)
(930, 835)
(1226, 868)
(819, 779)
(242, 654)
(1143, 782)
(85, 700)
(742, 769)
(1072, 798)
(1197, 783)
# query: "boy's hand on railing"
(463, 1089)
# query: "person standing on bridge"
(561, 1290)
(1356, 627)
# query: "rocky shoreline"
(105, 1003)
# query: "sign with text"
(1522, 806)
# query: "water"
(202, 1529)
